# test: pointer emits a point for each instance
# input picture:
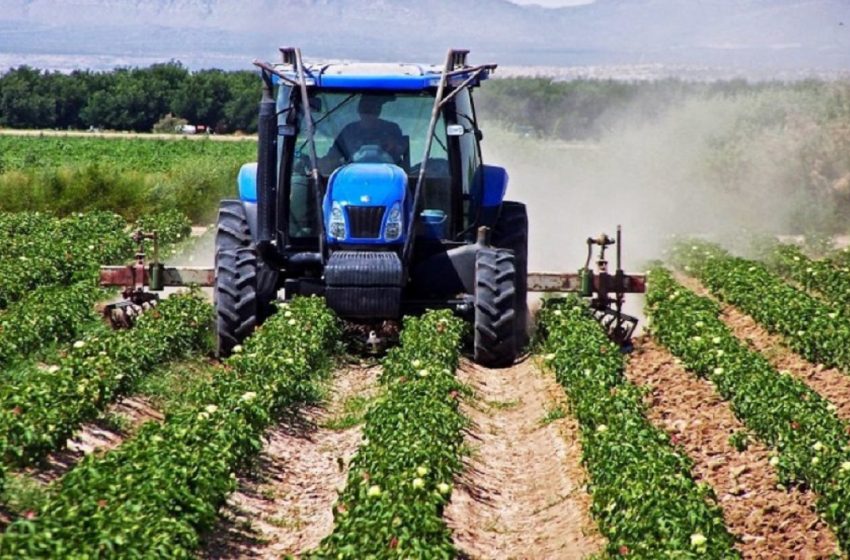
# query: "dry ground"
(522, 494)
(769, 522)
(286, 507)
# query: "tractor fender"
(446, 274)
(492, 185)
(246, 182)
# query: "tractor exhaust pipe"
(266, 164)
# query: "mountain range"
(228, 33)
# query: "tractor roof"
(377, 76)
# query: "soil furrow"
(121, 420)
(522, 494)
(768, 522)
(285, 506)
(830, 383)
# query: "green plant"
(401, 478)
(553, 414)
(644, 496)
(154, 495)
(811, 444)
(817, 331)
(41, 407)
(740, 440)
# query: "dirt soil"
(285, 507)
(768, 522)
(830, 383)
(522, 494)
(99, 437)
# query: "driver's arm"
(338, 153)
(393, 141)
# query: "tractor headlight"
(394, 223)
(336, 226)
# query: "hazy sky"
(554, 3)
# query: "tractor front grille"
(364, 222)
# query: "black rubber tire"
(494, 339)
(245, 286)
(511, 232)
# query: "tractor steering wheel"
(371, 153)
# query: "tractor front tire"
(511, 232)
(494, 339)
(245, 286)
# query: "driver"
(370, 130)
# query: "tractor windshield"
(353, 127)
(394, 125)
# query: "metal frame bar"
(266, 67)
(420, 180)
(311, 141)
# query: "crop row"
(61, 251)
(644, 497)
(828, 279)
(45, 315)
(40, 407)
(401, 477)
(61, 255)
(154, 495)
(811, 443)
(129, 154)
(810, 327)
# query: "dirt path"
(122, 419)
(522, 494)
(769, 523)
(830, 383)
(286, 507)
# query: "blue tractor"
(370, 190)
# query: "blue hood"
(370, 185)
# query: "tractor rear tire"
(245, 286)
(511, 232)
(494, 339)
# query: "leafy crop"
(40, 407)
(811, 328)
(827, 278)
(644, 497)
(53, 251)
(170, 226)
(154, 495)
(133, 177)
(126, 154)
(61, 252)
(400, 479)
(811, 442)
(48, 314)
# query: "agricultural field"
(723, 434)
(133, 176)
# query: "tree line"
(132, 99)
(136, 99)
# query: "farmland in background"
(130, 176)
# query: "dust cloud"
(685, 172)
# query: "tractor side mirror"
(479, 134)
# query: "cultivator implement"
(142, 281)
